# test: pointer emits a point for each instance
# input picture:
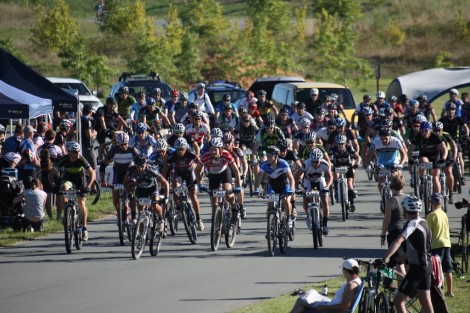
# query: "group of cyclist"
(156, 145)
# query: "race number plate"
(426, 165)
(384, 172)
(312, 194)
(118, 187)
(219, 193)
(415, 154)
(145, 201)
(272, 197)
(341, 170)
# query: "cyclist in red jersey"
(218, 163)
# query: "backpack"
(9, 189)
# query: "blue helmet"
(367, 111)
(425, 126)
(140, 127)
(340, 122)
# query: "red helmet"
(175, 93)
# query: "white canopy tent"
(36, 106)
(433, 83)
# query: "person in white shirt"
(201, 98)
(34, 201)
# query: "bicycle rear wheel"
(216, 228)
(283, 232)
(138, 239)
(381, 303)
(155, 239)
(426, 194)
(332, 196)
(364, 303)
(249, 177)
(271, 234)
(457, 172)
(189, 221)
(68, 227)
(95, 193)
(416, 181)
(292, 232)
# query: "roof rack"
(220, 81)
(127, 75)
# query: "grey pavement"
(39, 276)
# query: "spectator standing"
(88, 135)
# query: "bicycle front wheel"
(315, 228)
(78, 232)
(155, 240)
(216, 228)
(68, 227)
(426, 194)
(342, 199)
(364, 303)
(189, 221)
(138, 239)
(172, 216)
(249, 177)
(283, 232)
(120, 221)
(271, 234)
(381, 304)
(95, 193)
(231, 230)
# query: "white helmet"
(316, 155)
(180, 143)
(304, 122)
(217, 142)
(179, 128)
(161, 144)
(121, 138)
(310, 136)
(411, 204)
(380, 95)
(72, 146)
(216, 133)
(454, 91)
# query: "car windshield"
(137, 86)
(344, 96)
(216, 96)
(82, 89)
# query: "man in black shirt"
(88, 135)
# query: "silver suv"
(75, 86)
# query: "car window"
(137, 86)
(344, 96)
(216, 96)
(82, 89)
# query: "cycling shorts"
(118, 177)
(146, 192)
(309, 185)
(101, 136)
(188, 177)
(417, 277)
(280, 189)
(215, 180)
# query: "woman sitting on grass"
(313, 301)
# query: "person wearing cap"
(227, 120)
(265, 107)
(453, 98)
(440, 245)
(412, 111)
(124, 102)
(344, 297)
(157, 95)
(381, 102)
(418, 237)
(28, 148)
(396, 106)
(201, 98)
(300, 113)
(426, 108)
(314, 101)
(457, 129)
(226, 101)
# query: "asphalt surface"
(39, 276)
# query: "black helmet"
(269, 122)
(273, 150)
(282, 144)
(226, 97)
(385, 132)
(140, 160)
(110, 100)
(261, 93)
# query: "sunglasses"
(140, 133)
(310, 142)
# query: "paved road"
(39, 276)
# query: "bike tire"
(342, 199)
(249, 177)
(383, 200)
(381, 304)
(457, 177)
(172, 216)
(332, 196)
(68, 227)
(78, 232)
(319, 231)
(445, 193)
(314, 229)
(363, 304)
(155, 240)
(94, 196)
(426, 195)
(292, 232)
(189, 222)
(416, 184)
(138, 239)
(283, 231)
(231, 230)
(271, 234)
(120, 222)
(216, 228)
(370, 175)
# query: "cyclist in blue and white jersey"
(142, 141)
(389, 152)
(161, 153)
(280, 179)
(318, 177)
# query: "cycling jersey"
(323, 134)
(151, 116)
(184, 164)
(109, 118)
(296, 117)
(135, 109)
(159, 162)
(73, 171)
(198, 134)
(291, 156)
(217, 165)
(277, 176)
(427, 147)
(147, 179)
(143, 147)
(247, 135)
(315, 173)
(266, 140)
(227, 123)
(122, 160)
(447, 138)
(124, 105)
(349, 135)
(452, 126)
(264, 108)
(342, 158)
(54, 151)
(203, 102)
(316, 124)
(418, 241)
(286, 126)
(386, 154)
(394, 134)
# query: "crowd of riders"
(154, 145)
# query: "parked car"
(77, 87)
(138, 83)
(268, 83)
(286, 94)
(217, 89)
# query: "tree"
(187, 60)
(55, 29)
(204, 18)
(7, 44)
(125, 17)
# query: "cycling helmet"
(66, 124)
(226, 97)
(216, 132)
(393, 99)
(386, 123)
(121, 138)
(300, 105)
(150, 101)
(310, 136)
(422, 98)
(332, 106)
(385, 132)
(140, 160)
(340, 122)
(451, 106)
(217, 142)
(261, 93)
(161, 144)
(282, 144)
(174, 93)
(425, 126)
(341, 139)
(438, 126)
(380, 95)
(110, 100)
(124, 89)
(420, 118)
(183, 96)
(330, 123)
(72, 146)
(414, 103)
(381, 112)
(242, 110)
(192, 105)
(197, 114)
(2, 129)
(179, 128)
(140, 127)
(316, 155)
(269, 122)
(228, 138)
(157, 90)
(180, 143)
(200, 86)
(273, 150)
(454, 91)
(314, 91)
(319, 110)
(334, 96)
(411, 204)
(388, 111)
(367, 111)
(141, 95)
(304, 122)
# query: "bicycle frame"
(427, 186)
(72, 223)
(315, 217)
(385, 193)
(123, 214)
(342, 191)
(185, 212)
(277, 228)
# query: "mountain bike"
(144, 228)
(342, 191)
(277, 228)
(386, 192)
(225, 221)
(73, 227)
(95, 193)
(123, 215)
(185, 212)
(250, 179)
(426, 186)
(415, 173)
(315, 217)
